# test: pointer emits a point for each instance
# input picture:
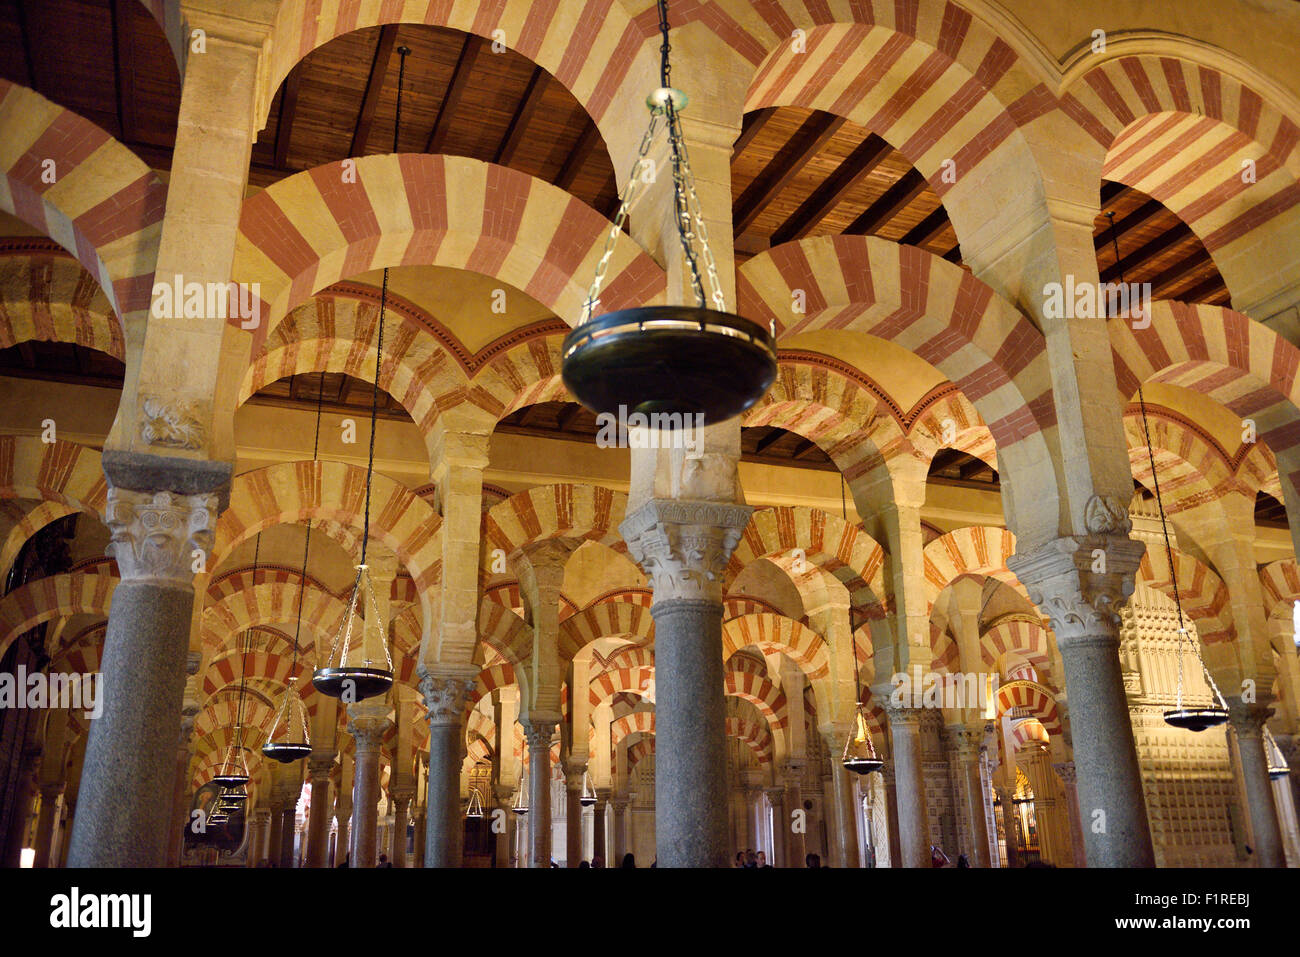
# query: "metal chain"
(701, 230)
(593, 295)
(1169, 557)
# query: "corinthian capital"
(539, 730)
(684, 546)
(155, 534)
(1080, 582)
(446, 697)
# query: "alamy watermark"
(932, 689)
(1089, 300)
(211, 300)
(58, 690)
(654, 430)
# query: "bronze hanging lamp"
(669, 360)
(233, 773)
(1181, 716)
(588, 796)
(859, 755)
(289, 739)
(474, 810)
(358, 669)
(1191, 718)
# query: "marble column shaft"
(367, 728)
(131, 751)
(1248, 722)
(446, 698)
(318, 820)
(539, 730)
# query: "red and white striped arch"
(105, 206)
(1239, 363)
(937, 311)
(1280, 581)
(611, 619)
(1193, 467)
(1182, 132)
(1015, 639)
(543, 512)
(313, 229)
(1203, 594)
(55, 596)
(828, 403)
(1033, 699)
(789, 535)
(46, 296)
(296, 491)
(971, 550)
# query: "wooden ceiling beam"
(1171, 277)
(769, 440)
(455, 91)
(1210, 288)
(1154, 248)
(578, 156)
(528, 105)
(806, 143)
(374, 87)
(928, 229)
(751, 126)
(569, 416)
(894, 201)
(284, 125)
(1131, 221)
(860, 163)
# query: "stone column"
(275, 837)
(1065, 771)
(1083, 607)
(838, 798)
(1248, 722)
(421, 819)
(261, 825)
(506, 831)
(131, 752)
(967, 741)
(620, 830)
(401, 801)
(795, 839)
(51, 805)
(574, 773)
(446, 696)
(318, 820)
(1009, 825)
(780, 826)
(288, 832)
(891, 811)
(539, 730)
(598, 844)
(684, 547)
(367, 721)
(909, 777)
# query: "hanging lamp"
(1182, 716)
(233, 773)
(474, 810)
(356, 670)
(669, 360)
(859, 755)
(588, 797)
(520, 805)
(289, 740)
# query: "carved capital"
(1080, 582)
(684, 546)
(539, 731)
(320, 767)
(574, 774)
(367, 722)
(1248, 718)
(154, 534)
(446, 697)
(1065, 771)
(902, 718)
